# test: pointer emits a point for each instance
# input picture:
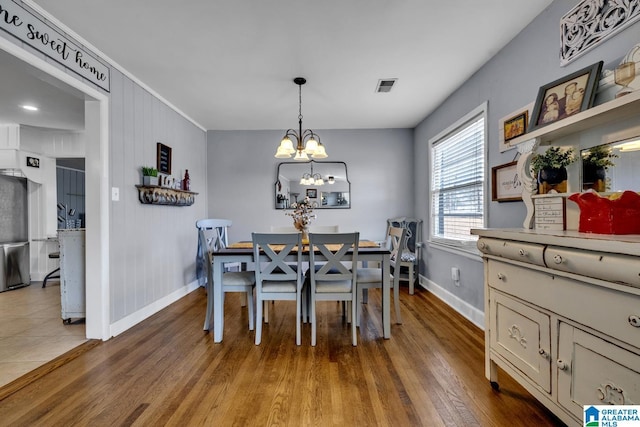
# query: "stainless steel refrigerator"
(14, 233)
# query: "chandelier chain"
(299, 102)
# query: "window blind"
(457, 189)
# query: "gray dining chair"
(410, 254)
(277, 278)
(372, 277)
(333, 275)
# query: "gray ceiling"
(230, 64)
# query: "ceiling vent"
(385, 85)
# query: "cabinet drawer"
(521, 335)
(520, 251)
(601, 265)
(612, 312)
(592, 371)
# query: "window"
(457, 180)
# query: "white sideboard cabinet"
(72, 273)
(562, 316)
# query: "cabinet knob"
(482, 245)
(501, 276)
(543, 353)
(557, 259)
(562, 365)
(634, 321)
(522, 252)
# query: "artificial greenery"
(553, 158)
(599, 156)
(149, 171)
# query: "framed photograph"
(516, 126)
(512, 126)
(566, 96)
(163, 159)
(312, 193)
(505, 183)
(33, 162)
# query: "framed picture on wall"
(566, 96)
(163, 159)
(512, 126)
(505, 183)
(312, 193)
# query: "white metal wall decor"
(593, 21)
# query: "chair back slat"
(270, 251)
(398, 238)
(335, 249)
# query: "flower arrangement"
(599, 156)
(302, 214)
(553, 158)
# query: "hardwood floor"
(167, 371)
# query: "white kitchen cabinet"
(562, 316)
(72, 273)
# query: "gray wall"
(242, 174)
(153, 248)
(508, 82)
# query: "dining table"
(242, 252)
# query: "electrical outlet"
(455, 274)
(115, 194)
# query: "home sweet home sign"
(24, 25)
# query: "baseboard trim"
(134, 318)
(470, 312)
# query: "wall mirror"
(325, 183)
(619, 174)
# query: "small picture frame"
(566, 96)
(511, 127)
(515, 126)
(506, 185)
(33, 162)
(312, 193)
(163, 158)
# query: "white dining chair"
(372, 277)
(333, 277)
(277, 279)
(232, 281)
(222, 240)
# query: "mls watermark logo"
(611, 415)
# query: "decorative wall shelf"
(615, 111)
(612, 111)
(156, 195)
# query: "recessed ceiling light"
(30, 108)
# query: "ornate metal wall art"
(591, 22)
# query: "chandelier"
(311, 178)
(307, 142)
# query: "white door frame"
(97, 192)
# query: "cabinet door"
(521, 335)
(592, 371)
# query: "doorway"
(96, 130)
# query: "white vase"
(149, 180)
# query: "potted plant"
(149, 175)
(595, 162)
(551, 169)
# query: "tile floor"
(31, 329)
